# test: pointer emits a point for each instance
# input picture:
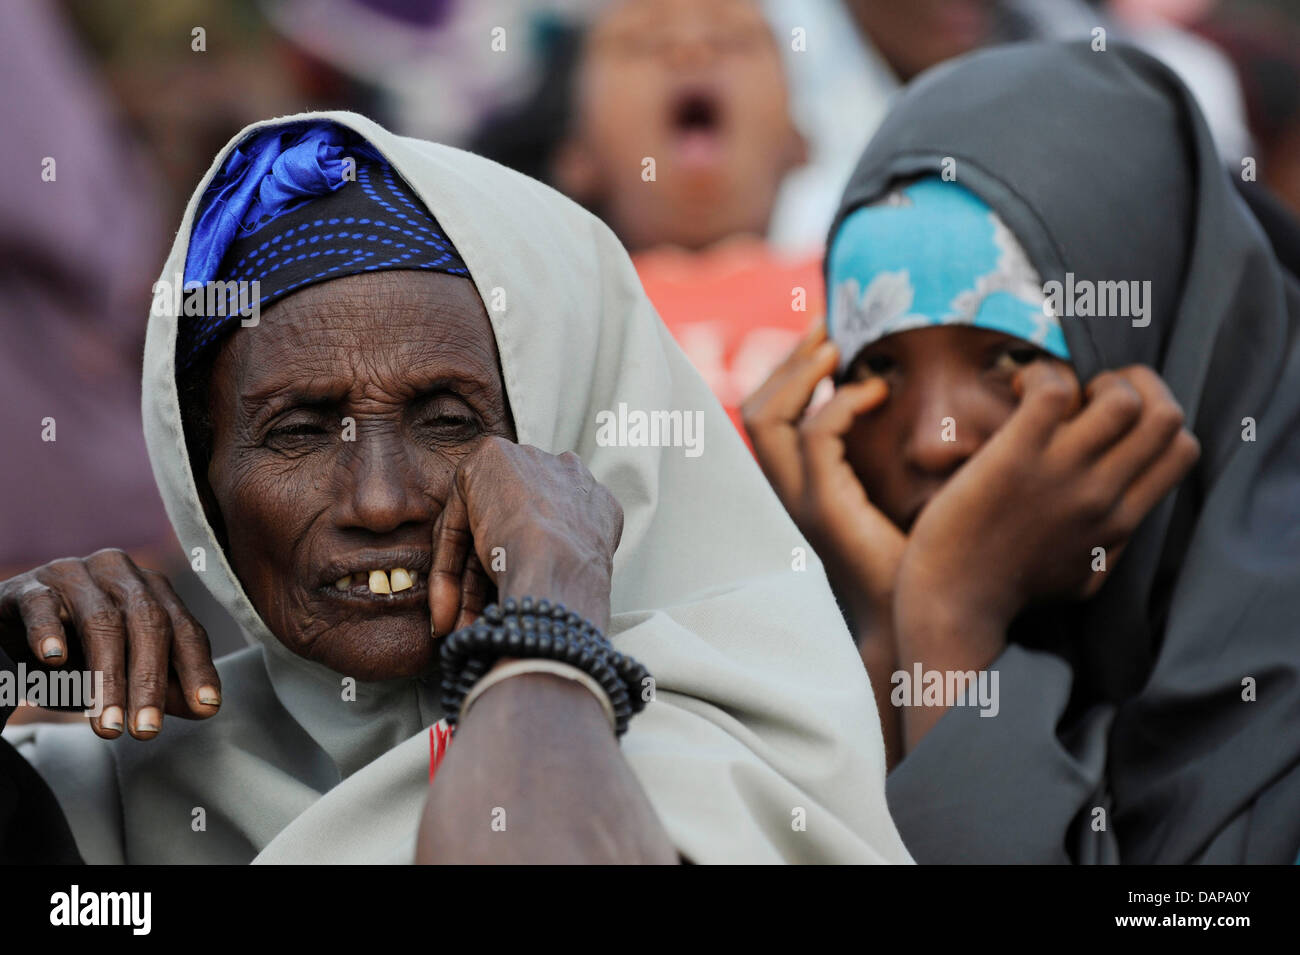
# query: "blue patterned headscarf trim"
(297, 205)
(932, 253)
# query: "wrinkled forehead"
(388, 334)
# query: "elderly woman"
(404, 428)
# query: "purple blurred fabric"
(79, 257)
(418, 13)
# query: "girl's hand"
(803, 459)
(120, 620)
(534, 524)
(1020, 520)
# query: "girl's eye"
(1017, 357)
(878, 364)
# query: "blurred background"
(713, 136)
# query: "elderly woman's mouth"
(379, 581)
(393, 579)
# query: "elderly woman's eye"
(296, 431)
(449, 419)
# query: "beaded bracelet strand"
(538, 628)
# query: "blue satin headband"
(932, 253)
(296, 205)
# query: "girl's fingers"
(191, 657)
(772, 413)
(846, 405)
(850, 524)
(1049, 394)
(821, 436)
(788, 390)
(1112, 407)
(1160, 422)
(812, 338)
(149, 636)
(1150, 487)
(810, 348)
(452, 544)
(1097, 578)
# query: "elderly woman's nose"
(384, 488)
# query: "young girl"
(1059, 471)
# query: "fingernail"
(51, 647)
(148, 720)
(209, 696)
(111, 719)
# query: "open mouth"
(696, 111)
(696, 121)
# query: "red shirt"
(736, 309)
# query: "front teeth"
(380, 581)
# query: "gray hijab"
(1137, 703)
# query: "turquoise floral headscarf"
(932, 253)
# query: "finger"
(1145, 442)
(813, 337)
(1150, 487)
(103, 639)
(808, 349)
(771, 415)
(474, 592)
(822, 434)
(1049, 394)
(786, 393)
(846, 405)
(1099, 577)
(149, 640)
(451, 546)
(42, 611)
(191, 655)
(1112, 407)
(831, 485)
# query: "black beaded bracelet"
(538, 628)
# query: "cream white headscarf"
(762, 743)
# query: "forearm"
(879, 654)
(536, 775)
(944, 636)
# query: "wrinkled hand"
(118, 619)
(557, 529)
(1019, 521)
(804, 460)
